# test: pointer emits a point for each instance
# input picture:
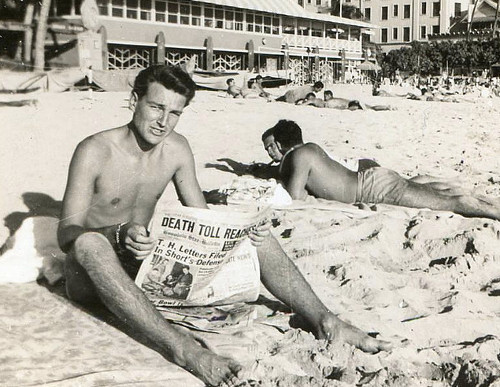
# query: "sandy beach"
(427, 281)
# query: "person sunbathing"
(349, 104)
(307, 169)
(115, 180)
(297, 94)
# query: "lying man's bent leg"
(94, 253)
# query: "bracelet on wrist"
(118, 232)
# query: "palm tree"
(472, 18)
(41, 32)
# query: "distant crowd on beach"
(433, 87)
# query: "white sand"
(375, 271)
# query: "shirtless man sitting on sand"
(115, 179)
(307, 169)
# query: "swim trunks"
(129, 263)
(380, 185)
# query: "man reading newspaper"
(115, 179)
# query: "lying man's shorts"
(380, 185)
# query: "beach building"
(404, 21)
(481, 24)
(269, 35)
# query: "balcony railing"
(322, 43)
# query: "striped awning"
(287, 8)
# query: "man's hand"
(134, 237)
(262, 231)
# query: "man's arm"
(300, 166)
(185, 180)
(78, 194)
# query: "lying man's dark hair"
(318, 85)
(287, 133)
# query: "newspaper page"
(202, 257)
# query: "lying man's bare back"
(115, 180)
(306, 168)
(325, 177)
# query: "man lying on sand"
(115, 179)
(294, 95)
(338, 103)
(307, 169)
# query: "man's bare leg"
(118, 292)
(424, 196)
(282, 278)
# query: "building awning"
(281, 7)
(287, 8)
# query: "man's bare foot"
(213, 369)
(332, 329)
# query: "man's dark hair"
(310, 95)
(228, 81)
(287, 133)
(328, 93)
(171, 77)
(318, 85)
(258, 77)
(269, 132)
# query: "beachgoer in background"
(233, 90)
(307, 169)
(350, 104)
(294, 95)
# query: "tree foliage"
(431, 58)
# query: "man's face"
(272, 149)
(157, 112)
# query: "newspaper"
(202, 257)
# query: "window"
(173, 10)
(161, 10)
(384, 35)
(318, 2)
(250, 22)
(385, 12)
(196, 15)
(267, 25)
(395, 33)
(368, 13)
(101, 4)
(424, 8)
(276, 26)
(423, 32)
(395, 10)
(185, 13)
(258, 23)
(219, 18)
(209, 17)
(238, 21)
(229, 25)
(436, 7)
(458, 9)
(117, 8)
(435, 30)
(132, 7)
(406, 34)
(406, 11)
(146, 6)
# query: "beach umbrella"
(368, 66)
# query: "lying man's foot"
(334, 329)
(213, 369)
